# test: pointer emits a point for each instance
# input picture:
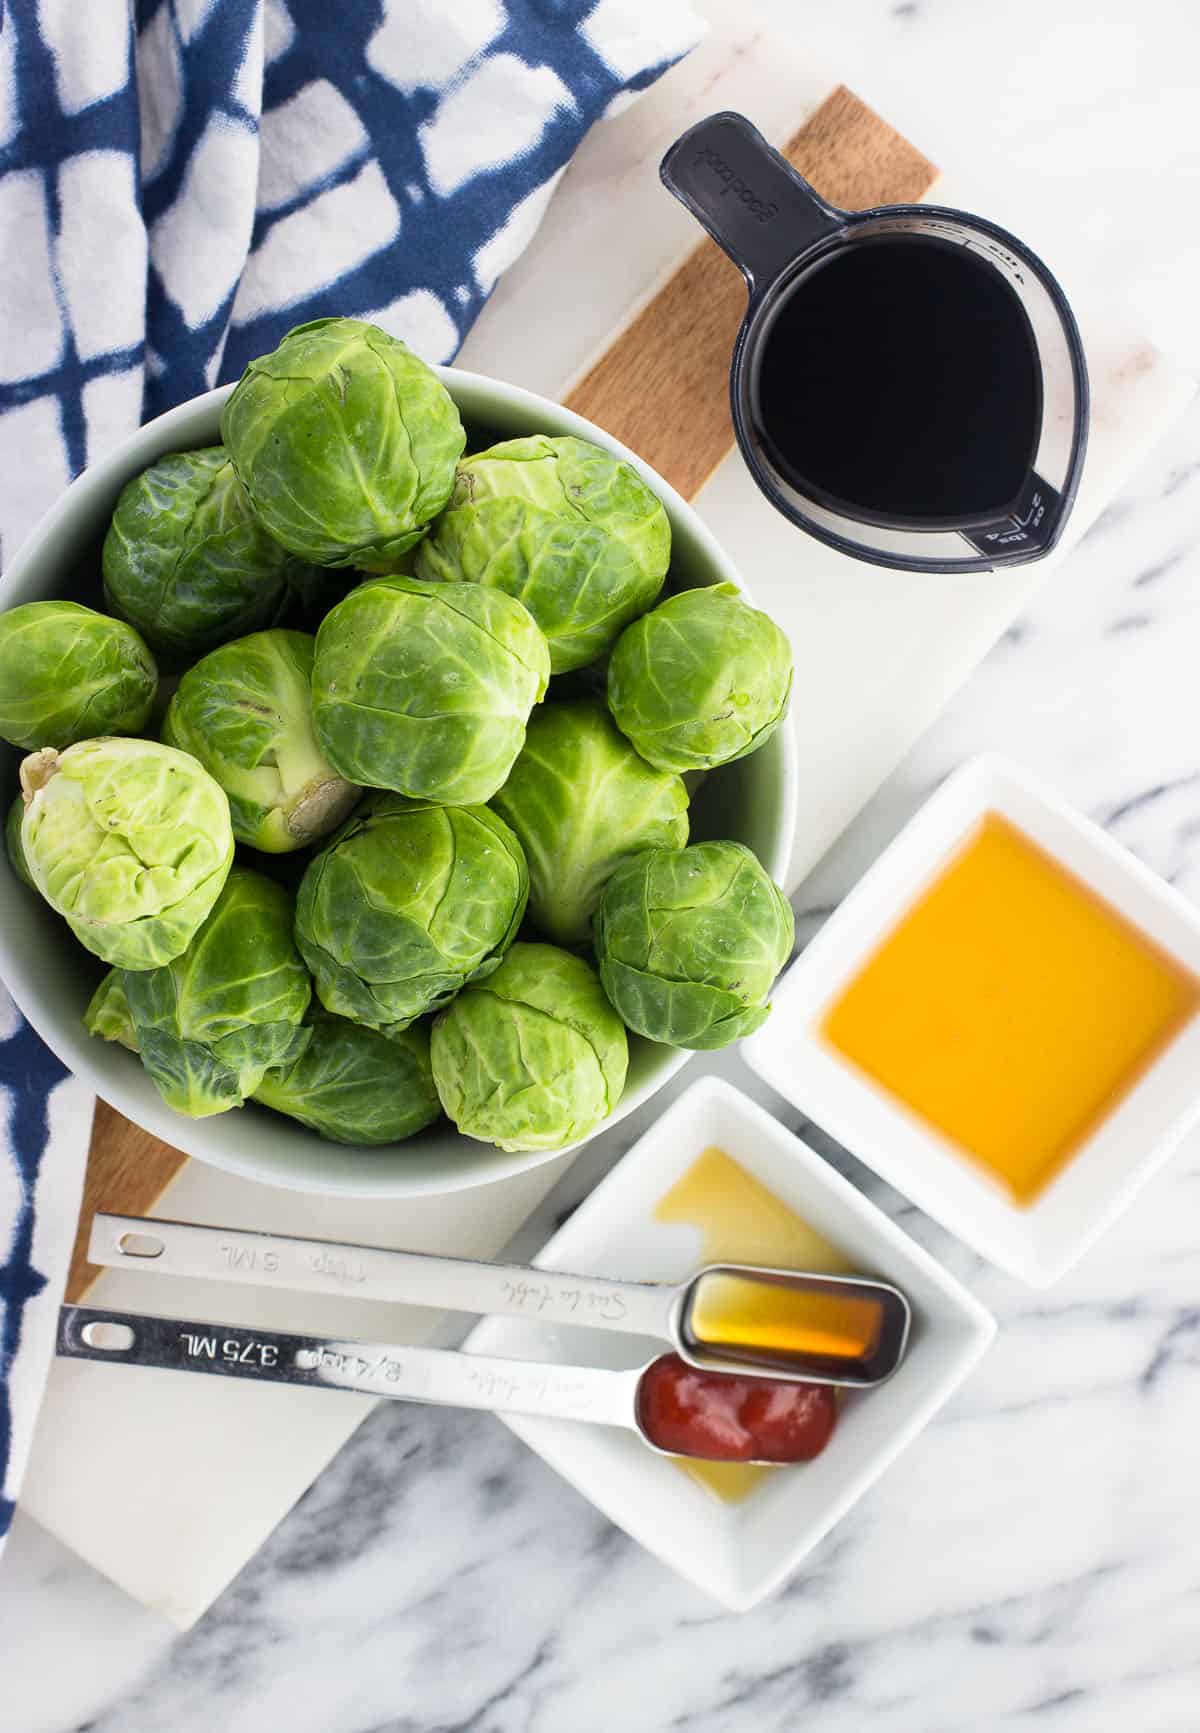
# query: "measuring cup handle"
(749, 198)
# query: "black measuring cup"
(908, 383)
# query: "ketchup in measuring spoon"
(726, 1418)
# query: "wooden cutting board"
(661, 386)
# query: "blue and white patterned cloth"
(181, 181)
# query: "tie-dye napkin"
(181, 181)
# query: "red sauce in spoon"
(727, 1418)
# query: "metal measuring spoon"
(481, 1381)
(727, 1317)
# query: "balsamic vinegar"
(899, 380)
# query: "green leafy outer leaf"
(581, 801)
(353, 1085)
(68, 674)
(209, 1024)
(245, 711)
(12, 841)
(533, 1057)
(702, 680)
(186, 559)
(570, 531)
(345, 441)
(408, 903)
(107, 1016)
(690, 941)
(426, 688)
(130, 841)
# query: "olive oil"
(1011, 1008)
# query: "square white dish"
(1037, 1242)
(737, 1552)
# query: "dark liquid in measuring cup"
(900, 379)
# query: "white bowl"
(737, 1552)
(1040, 1241)
(51, 978)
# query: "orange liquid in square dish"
(741, 1222)
(1011, 1008)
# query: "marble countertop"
(1033, 1561)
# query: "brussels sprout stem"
(320, 808)
(321, 799)
(36, 771)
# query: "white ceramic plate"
(51, 978)
(1039, 1242)
(737, 1552)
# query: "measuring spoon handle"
(437, 1375)
(376, 1273)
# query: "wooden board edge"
(128, 1170)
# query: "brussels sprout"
(690, 941)
(426, 688)
(346, 443)
(186, 559)
(245, 712)
(12, 841)
(570, 531)
(535, 1056)
(68, 674)
(353, 1085)
(130, 841)
(408, 903)
(581, 801)
(107, 1015)
(209, 1024)
(702, 680)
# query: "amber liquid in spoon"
(750, 1316)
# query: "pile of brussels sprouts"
(494, 881)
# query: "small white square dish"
(646, 1221)
(1037, 1235)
